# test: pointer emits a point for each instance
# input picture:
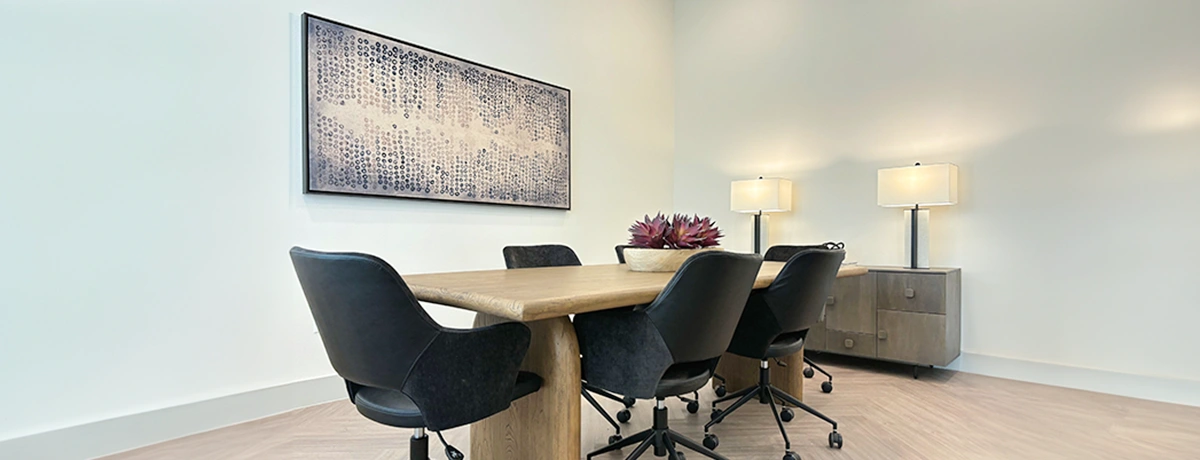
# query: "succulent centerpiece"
(662, 244)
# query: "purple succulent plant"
(649, 233)
(680, 232)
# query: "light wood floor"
(882, 412)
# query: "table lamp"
(918, 187)
(759, 196)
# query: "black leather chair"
(781, 253)
(621, 252)
(774, 324)
(557, 255)
(693, 403)
(401, 368)
(544, 255)
(669, 347)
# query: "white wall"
(1076, 125)
(151, 190)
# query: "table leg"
(742, 373)
(543, 425)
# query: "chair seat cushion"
(393, 408)
(683, 378)
(785, 344)
(388, 407)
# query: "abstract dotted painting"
(389, 118)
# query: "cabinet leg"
(917, 367)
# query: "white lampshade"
(924, 185)
(760, 195)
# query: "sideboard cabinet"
(896, 314)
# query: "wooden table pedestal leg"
(543, 425)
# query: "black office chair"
(669, 347)
(693, 403)
(774, 324)
(781, 253)
(557, 255)
(401, 368)
(621, 252)
(545, 255)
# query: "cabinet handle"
(882, 335)
(849, 343)
(909, 293)
(830, 300)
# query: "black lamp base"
(758, 234)
(914, 243)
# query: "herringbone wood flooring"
(882, 412)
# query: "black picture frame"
(307, 128)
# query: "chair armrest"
(467, 375)
(622, 351)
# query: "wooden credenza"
(895, 314)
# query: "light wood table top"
(530, 294)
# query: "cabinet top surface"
(918, 271)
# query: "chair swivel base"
(663, 439)
(764, 390)
(418, 446)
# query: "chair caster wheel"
(787, 415)
(835, 440)
(693, 407)
(791, 456)
(721, 391)
(628, 401)
(715, 413)
(614, 439)
(680, 456)
(454, 454)
(827, 386)
(623, 416)
(711, 441)
(808, 373)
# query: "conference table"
(545, 425)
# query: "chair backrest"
(798, 294)
(545, 255)
(621, 252)
(781, 253)
(372, 326)
(698, 311)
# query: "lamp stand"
(917, 234)
(758, 233)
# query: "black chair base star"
(764, 391)
(659, 437)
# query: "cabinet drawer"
(850, 343)
(918, 338)
(911, 292)
(850, 307)
(816, 338)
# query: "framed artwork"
(388, 118)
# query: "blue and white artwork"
(388, 118)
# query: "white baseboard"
(130, 432)
(1175, 391)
